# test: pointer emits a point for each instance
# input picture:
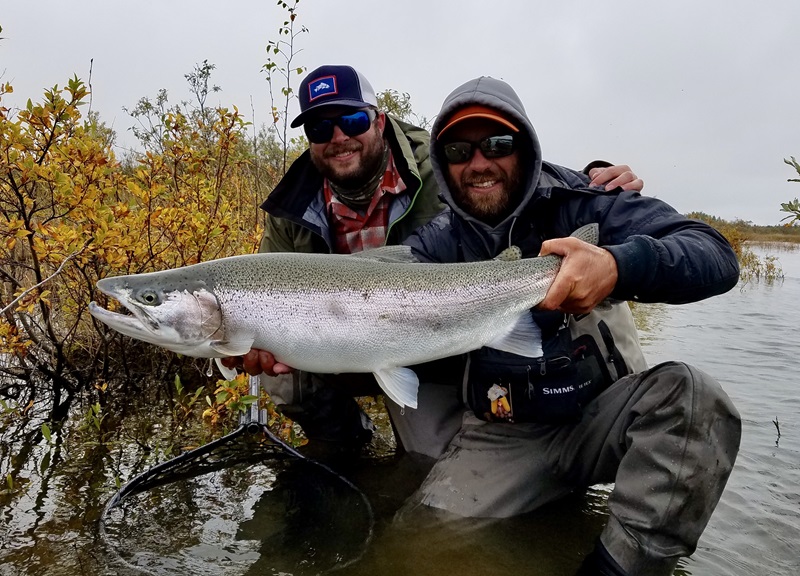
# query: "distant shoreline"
(790, 245)
(774, 240)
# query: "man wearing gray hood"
(588, 411)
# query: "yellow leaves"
(191, 197)
(45, 297)
(212, 415)
(12, 231)
(40, 246)
(11, 341)
(230, 398)
(27, 303)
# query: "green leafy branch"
(285, 50)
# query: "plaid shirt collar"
(355, 232)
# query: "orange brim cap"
(478, 111)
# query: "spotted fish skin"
(338, 313)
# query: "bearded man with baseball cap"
(588, 410)
(365, 182)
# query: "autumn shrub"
(53, 179)
(72, 214)
(751, 266)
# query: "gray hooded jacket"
(661, 256)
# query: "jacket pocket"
(507, 388)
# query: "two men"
(524, 431)
(364, 182)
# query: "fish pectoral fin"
(400, 384)
(525, 339)
(227, 373)
(232, 347)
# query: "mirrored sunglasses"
(320, 131)
(491, 147)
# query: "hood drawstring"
(511, 229)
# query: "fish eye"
(149, 297)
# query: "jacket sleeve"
(277, 236)
(661, 255)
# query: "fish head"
(172, 311)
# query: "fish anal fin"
(400, 384)
(525, 339)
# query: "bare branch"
(53, 275)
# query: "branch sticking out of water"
(778, 428)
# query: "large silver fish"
(378, 311)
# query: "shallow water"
(748, 339)
(284, 517)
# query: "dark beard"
(490, 210)
(371, 160)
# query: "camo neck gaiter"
(359, 198)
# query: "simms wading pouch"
(547, 390)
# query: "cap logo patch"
(325, 86)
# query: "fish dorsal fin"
(525, 339)
(589, 233)
(400, 384)
(232, 347)
(227, 373)
(510, 254)
(393, 254)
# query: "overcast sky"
(701, 98)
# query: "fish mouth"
(128, 324)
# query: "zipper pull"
(531, 388)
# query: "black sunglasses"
(491, 147)
(320, 131)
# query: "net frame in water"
(218, 454)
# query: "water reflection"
(276, 517)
